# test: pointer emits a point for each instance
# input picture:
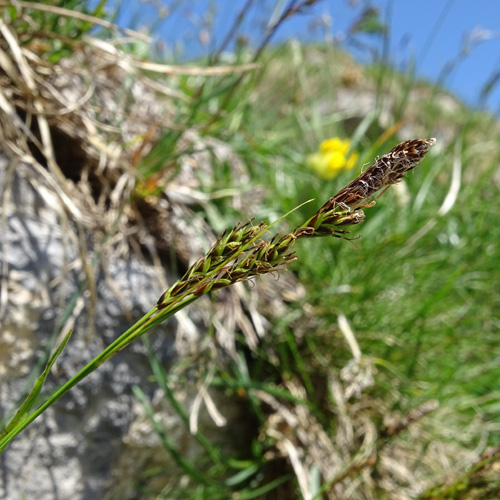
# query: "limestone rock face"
(71, 450)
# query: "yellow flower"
(335, 144)
(332, 158)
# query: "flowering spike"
(386, 170)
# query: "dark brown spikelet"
(386, 170)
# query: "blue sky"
(430, 32)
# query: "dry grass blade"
(195, 70)
(128, 62)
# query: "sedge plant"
(240, 254)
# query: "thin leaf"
(37, 387)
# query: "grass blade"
(32, 397)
